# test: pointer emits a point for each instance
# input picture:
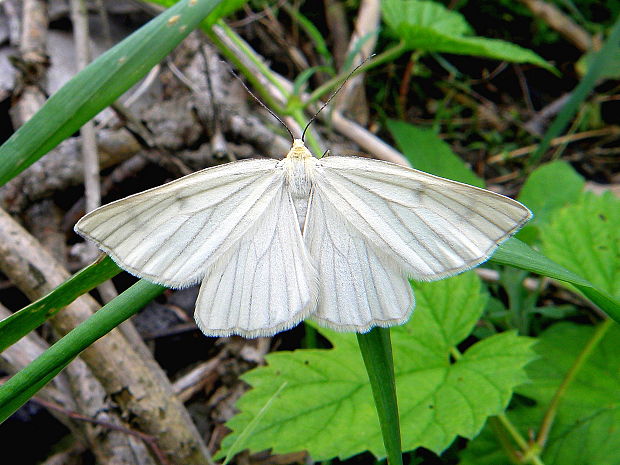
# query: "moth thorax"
(299, 177)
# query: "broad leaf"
(585, 427)
(548, 188)
(327, 409)
(427, 152)
(585, 238)
(430, 26)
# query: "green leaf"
(585, 427)
(515, 253)
(305, 75)
(313, 33)
(600, 64)
(427, 152)
(99, 84)
(327, 405)
(27, 382)
(29, 318)
(431, 27)
(548, 188)
(584, 237)
(220, 11)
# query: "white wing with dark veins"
(173, 233)
(430, 226)
(371, 224)
(359, 287)
(265, 283)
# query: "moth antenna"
(232, 71)
(334, 94)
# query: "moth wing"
(429, 226)
(173, 233)
(265, 284)
(359, 287)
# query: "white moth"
(276, 241)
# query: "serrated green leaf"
(548, 188)
(430, 26)
(585, 428)
(515, 253)
(427, 152)
(327, 407)
(584, 237)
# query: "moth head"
(299, 151)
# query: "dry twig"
(138, 386)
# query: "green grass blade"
(520, 255)
(99, 84)
(28, 318)
(376, 348)
(24, 384)
(601, 61)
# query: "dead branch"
(561, 22)
(140, 388)
(110, 448)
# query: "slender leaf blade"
(32, 316)
(99, 84)
(24, 384)
(518, 254)
(376, 349)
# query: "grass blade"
(30, 317)
(601, 61)
(24, 384)
(518, 254)
(99, 84)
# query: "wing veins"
(456, 200)
(375, 230)
(196, 268)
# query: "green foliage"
(585, 426)
(23, 385)
(98, 85)
(326, 406)
(31, 317)
(548, 188)
(427, 152)
(223, 9)
(376, 349)
(429, 26)
(585, 237)
(518, 254)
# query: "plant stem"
(376, 348)
(250, 75)
(547, 422)
(328, 86)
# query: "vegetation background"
(497, 366)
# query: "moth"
(274, 242)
